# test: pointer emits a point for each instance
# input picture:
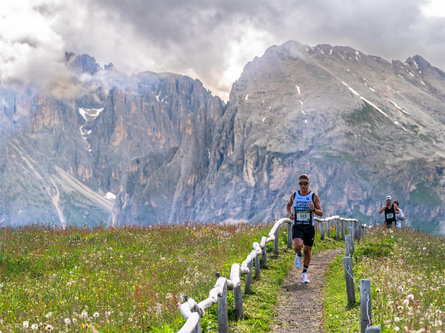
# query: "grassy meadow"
(132, 279)
(113, 280)
(407, 274)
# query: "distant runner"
(399, 216)
(390, 212)
(301, 207)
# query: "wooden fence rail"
(193, 311)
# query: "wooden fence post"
(198, 325)
(321, 230)
(337, 229)
(347, 246)
(358, 232)
(275, 244)
(352, 243)
(289, 235)
(343, 230)
(373, 329)
(328, 231)
(237, 294)
(257, 267)
(223, 316)
(347, 263)
(365, 304)
(264, 256)
(247, 287)
(351, 239)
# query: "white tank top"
(303, 215)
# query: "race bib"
(389, 216)
(303, 216)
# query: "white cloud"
(208, 40)
(251, 43)
(434, 8)
(29, 49)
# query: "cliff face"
(158, 148)
(63, 159)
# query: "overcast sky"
(210, 40)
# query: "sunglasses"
(303, 183)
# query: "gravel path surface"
(301, 305)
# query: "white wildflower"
(25, 324)
(96, 314)
(396, 319)
(48, 327)
(34, 326)
(67, 321)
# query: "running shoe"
(297, 261)
(304, 278)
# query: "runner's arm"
(289, 207)
(318, 210)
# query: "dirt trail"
(300, 306)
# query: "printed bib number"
(303, 216)
(389, 215)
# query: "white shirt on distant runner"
(399, 218)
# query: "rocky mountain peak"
(158, 148)
(83, 63)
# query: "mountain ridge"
(170, 151)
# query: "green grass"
(127, 279)
(133, 279)
(407, 274)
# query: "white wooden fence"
(193, 311)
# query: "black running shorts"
(306, 233)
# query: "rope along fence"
(193, 311)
